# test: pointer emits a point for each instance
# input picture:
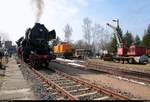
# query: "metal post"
(118, 23)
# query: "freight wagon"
(148, 52)
(82, 53)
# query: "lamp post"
(118, 30)
(117, 20)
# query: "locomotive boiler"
(34, 47)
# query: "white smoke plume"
(4, 36)
(39, 8)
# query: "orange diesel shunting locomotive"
(63, 50)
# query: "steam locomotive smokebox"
(38, 36)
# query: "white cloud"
(60, 12)
(82, 2)
(17, 15)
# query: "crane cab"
(122, 50)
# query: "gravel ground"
(1, 81)
(2, 72)
(132, 90)
(37, 87)
(62, 80)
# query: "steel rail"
(50, 84)
(117, 72)
(113, 71)
(53, 85)
(92, 86)
(120, 69)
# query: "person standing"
(1, 56)
(2, 68)
(6, 56)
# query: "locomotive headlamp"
(32, 52)
(41, 30)
(116, 20)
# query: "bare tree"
(100, 37)
(68, 32)
(80, 44)
(96, 30)
(87, 30)
(56, 41)
(4, 36)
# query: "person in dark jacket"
(1, 56)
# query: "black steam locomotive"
(34, 47)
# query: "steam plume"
(4, 36)
(39, 6)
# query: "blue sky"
(17, 15)
(133, 14)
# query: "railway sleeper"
(55, 96)
(58, 79)
(103, 98)
(51, 90)
(85, 94)
(91, 96)
(82, 92)
(84, 89)
(46, 85)
(68, 84)
(61, 98)
(74, 88)
(54, 93)
(65, 81)
(54, 76)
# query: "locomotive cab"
(52, 35)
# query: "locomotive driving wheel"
(44, 64)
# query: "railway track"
(67, 87)
(133, 75)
